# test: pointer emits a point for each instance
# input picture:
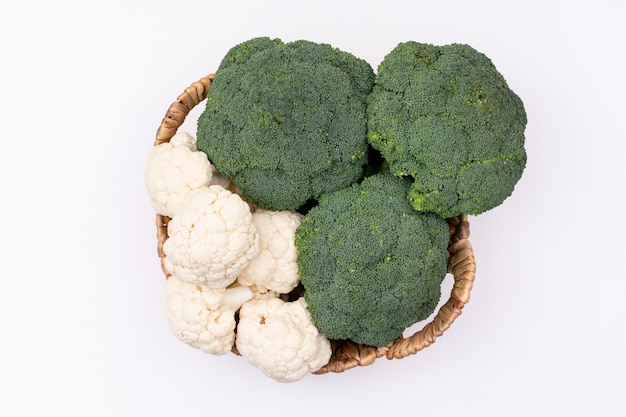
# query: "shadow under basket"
(347, 354)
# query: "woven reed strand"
(347, 354)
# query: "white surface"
(83, 88)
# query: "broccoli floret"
(287, 121)
(371, 266)
(445, 117)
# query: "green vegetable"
(287, 121)
(445, 117)
(371, 266)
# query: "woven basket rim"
(347, 354)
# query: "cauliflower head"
(275, 268)
(172, 170)
(211, 239)
(280, 339)
(204, 317)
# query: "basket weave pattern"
(347, 354)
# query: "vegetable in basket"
(212, 238)
(371, 266)
(172, 170)
(275, 268)
(287, 121)
(280, 339)
(445, 117)
(204, 317)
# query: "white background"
(83, 87)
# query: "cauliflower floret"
(275, 268)
(174, 169)
(203, 317)
(211, 239)
(280, 339)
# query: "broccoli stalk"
(371, 266)
(287, 122)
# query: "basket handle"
(178, 110)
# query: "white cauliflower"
(275, 268)
(203, 317)
(211, 239)
(280, 339)
(173, 169)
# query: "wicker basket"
(347, 354)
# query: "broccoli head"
(446, 118)
(287, 121)
(371, 266)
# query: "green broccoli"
(287, 121)
(371, 266)
(446, 118)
